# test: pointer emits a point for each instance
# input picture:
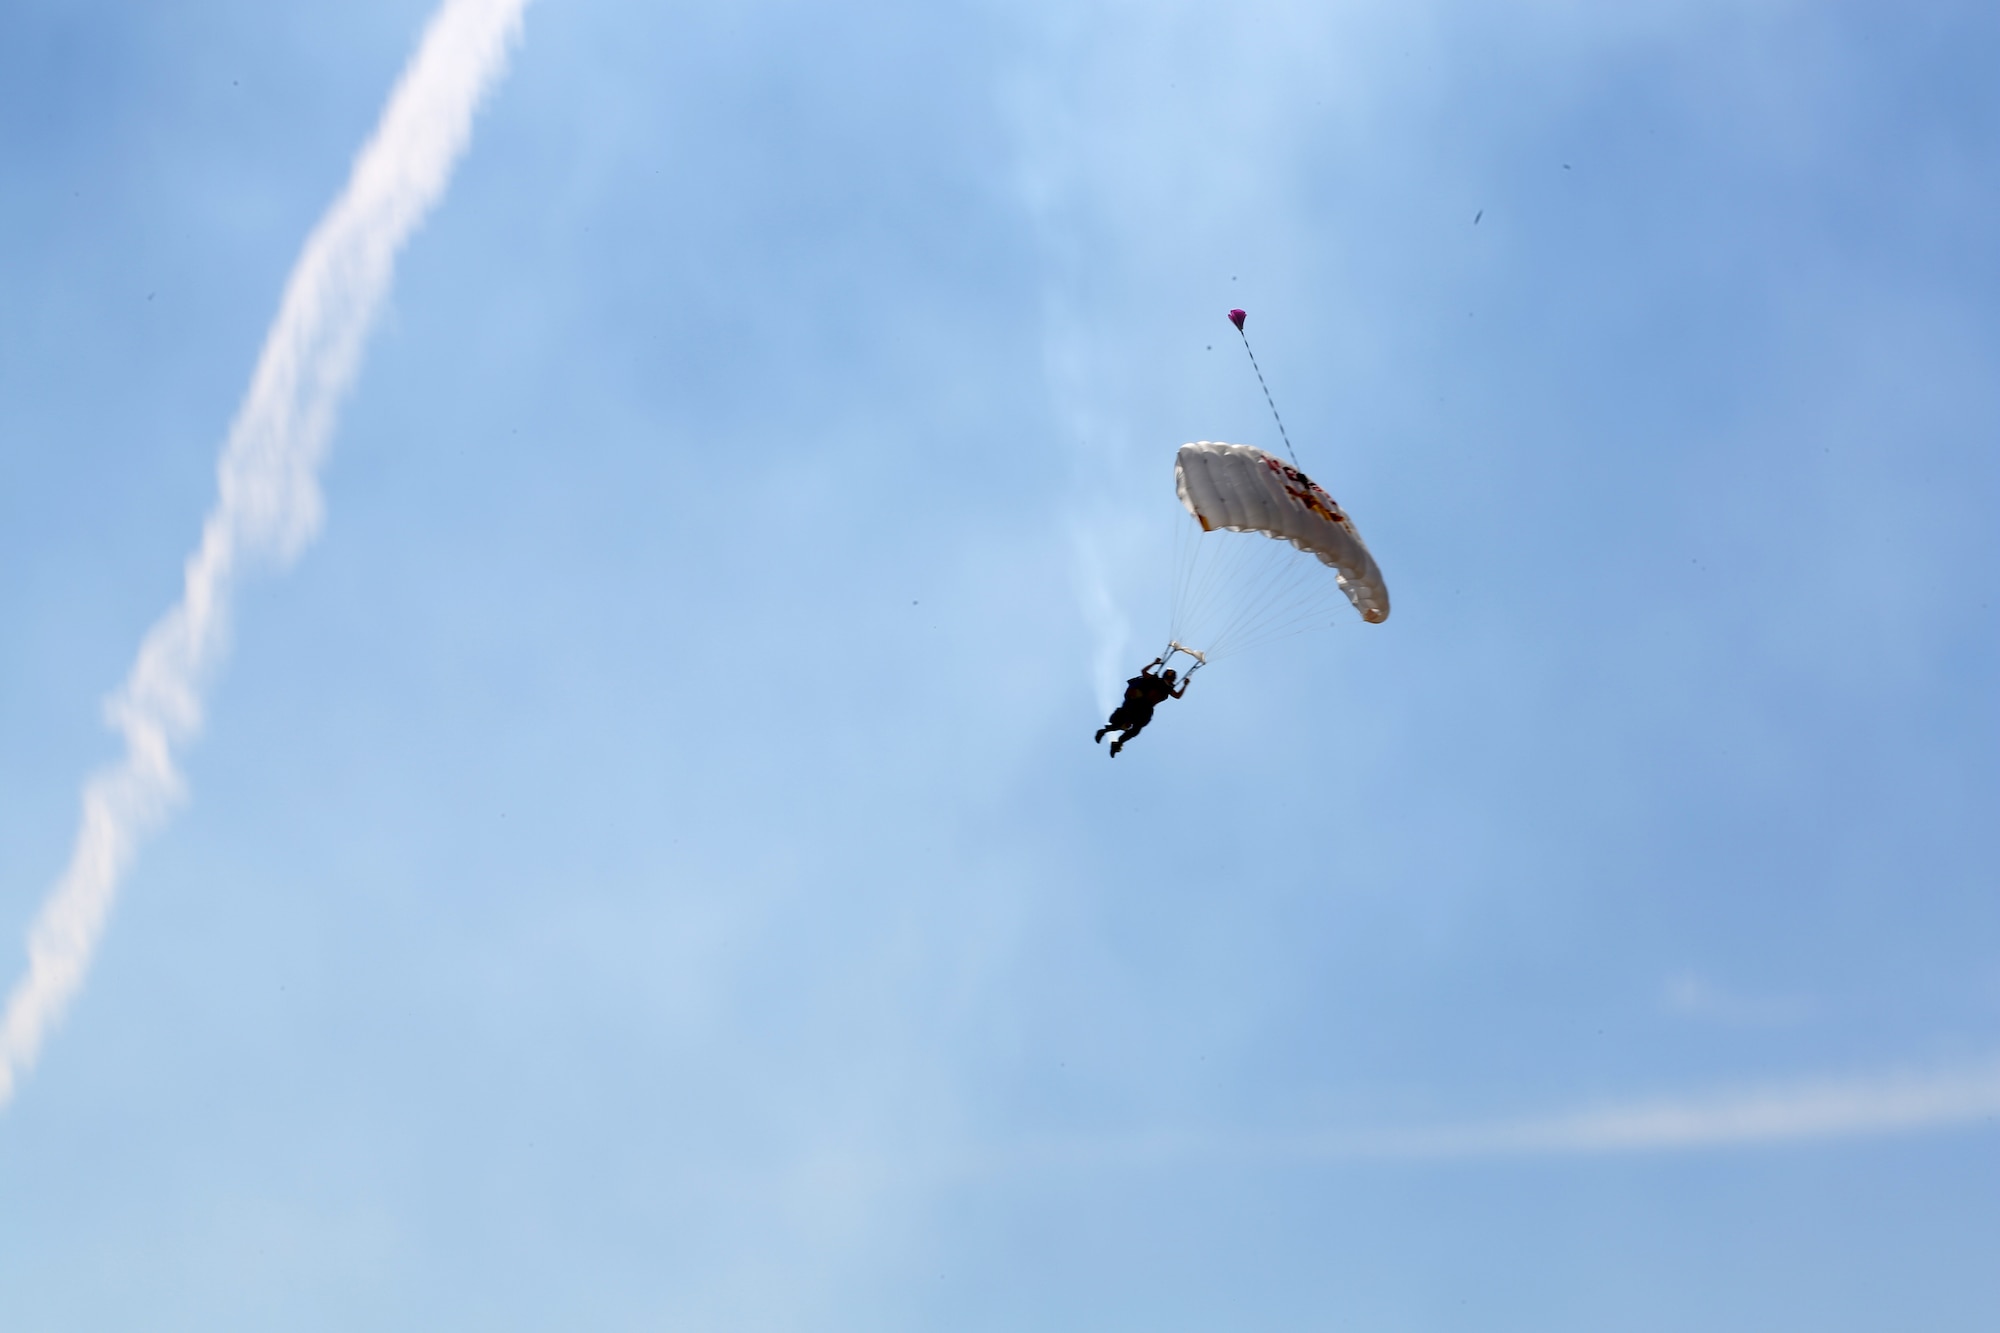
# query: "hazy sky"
(645, 865)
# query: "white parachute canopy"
(1269, 553)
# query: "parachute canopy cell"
(1237, 488)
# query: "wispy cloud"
(1869, 1106)
(268, 506)
(1897, 1103)
(1698, 998)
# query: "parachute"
(1269, 553)
(1254, 563)
(1241, 489)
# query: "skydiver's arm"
(1183, 688)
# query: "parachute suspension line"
(1296, 598)
(1195, 571)
(1290, 587)
(1236, 318)
(1235, 590)
(1208, 567)
(1217, 600)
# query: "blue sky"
(645, 865)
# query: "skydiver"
(1142, 693)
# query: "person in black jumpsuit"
(1142, 694)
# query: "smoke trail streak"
(268, 504)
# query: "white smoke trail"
(1110, 630)
(268, 506)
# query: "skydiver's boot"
(1099, 737)
(1118, 745)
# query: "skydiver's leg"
(1120, 717)
(1133, 725)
